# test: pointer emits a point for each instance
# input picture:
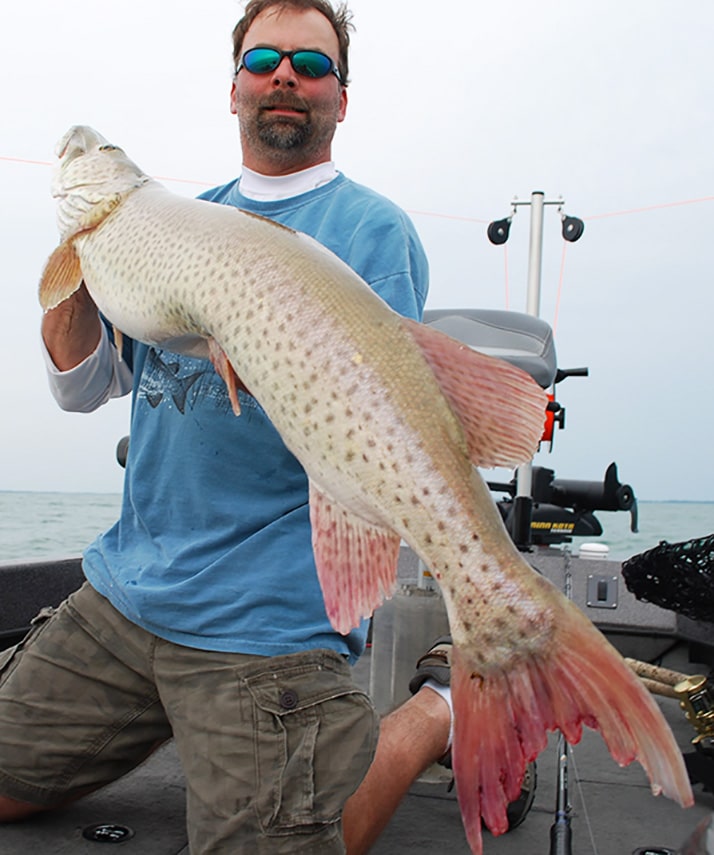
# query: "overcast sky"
(454, 110)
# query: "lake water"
(40, 525)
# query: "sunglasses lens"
(311, 63)
(261, 60)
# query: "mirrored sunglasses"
(307, 63)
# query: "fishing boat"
(576, 799)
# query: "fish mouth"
(78, 140)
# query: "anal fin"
(356, 561)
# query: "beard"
(283, 134)
(283, 138)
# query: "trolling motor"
(563, 508)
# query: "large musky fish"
(388, 418)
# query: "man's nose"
(284, 74)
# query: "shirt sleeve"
(398, 269)
(84, 388)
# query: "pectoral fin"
(356, 561)
(61, 277)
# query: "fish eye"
(108, 147)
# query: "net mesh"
(675, 576)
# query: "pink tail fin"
(501, 721)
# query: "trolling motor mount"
(563, 508)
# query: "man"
(202, 618)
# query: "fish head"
(90, 172)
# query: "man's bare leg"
(411, 738)
(14, 811)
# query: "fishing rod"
(561, 835)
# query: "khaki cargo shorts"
(270, 748)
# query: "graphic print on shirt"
(183, 383)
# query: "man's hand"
(72, 330)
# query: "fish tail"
(501, 720)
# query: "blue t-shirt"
(213, 546)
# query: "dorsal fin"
(502, 409)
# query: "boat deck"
(614, 812)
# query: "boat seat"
(521, 339)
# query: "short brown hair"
(340, 17)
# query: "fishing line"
(588, 824)
(505, 271)
(622, 213)
(650, 208)
(560, 287)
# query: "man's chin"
(283, 134)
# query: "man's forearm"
(72, 330)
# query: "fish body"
(388, 418)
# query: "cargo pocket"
(10, 657)
(315, 737)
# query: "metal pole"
(523, 502)
(535, 253)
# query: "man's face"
(287, 120)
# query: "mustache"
(283, 99)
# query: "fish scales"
(290, 340)
(387, 417)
